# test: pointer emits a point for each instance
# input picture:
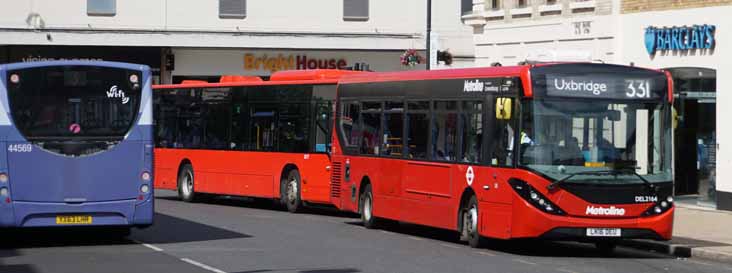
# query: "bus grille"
(335, 180)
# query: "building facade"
(205, 39)
(689, 38)
(510, 31)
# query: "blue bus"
(76, 145)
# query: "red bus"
(577, 151)
(247, 137)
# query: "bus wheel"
(292, 191)
(186, 180)
(470, 224)
(606, 247)
(366, 203)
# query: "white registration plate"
(603, 232)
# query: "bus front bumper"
(529, 222)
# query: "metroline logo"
(612, 211)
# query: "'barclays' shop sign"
(679, 38)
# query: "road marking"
(202, 265)
(149, 246)
(415, 238)
(450, 246)
(486, 253)
(566, 270)
(524, 261)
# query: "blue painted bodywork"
(105, 185)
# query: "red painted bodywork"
(429, 193)
(244, 173)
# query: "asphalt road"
(233, 235)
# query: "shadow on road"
(58, 237)
(171, 229)
(521, 247)
(266, 204)
(15, 268)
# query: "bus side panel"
(166, 169)
(255, 174)
(428, 194)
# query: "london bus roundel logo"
(469, 175)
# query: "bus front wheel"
(186, 191)
(292, 197)
(470, 224)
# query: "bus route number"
(20, 148)
(638, 89)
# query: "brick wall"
(634, 6)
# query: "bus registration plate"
(603, 232)
(73, 219)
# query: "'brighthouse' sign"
(679, 38)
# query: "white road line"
(565, 270)
(415, 238)
(524, 261)
(149, 246)
(450, 246)
(202, 265)
(486, 253)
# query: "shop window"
(355, 10)
(101, 7)
(466, 7)
(521, 3)
(232, 9)
(495, 4)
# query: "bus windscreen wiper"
(621, 170)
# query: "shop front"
(150, 56)
(210, 64)
(690, 45)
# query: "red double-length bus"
(573, 151)
(247, 137)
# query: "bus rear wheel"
(292, 197)
(186, 190)
(469, 228)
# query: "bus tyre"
(186, 192)
(292, 198)
(366, 207)
(470, 224)
(606, 247)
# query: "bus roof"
(131, 66)
(314, 76)
(507, 71)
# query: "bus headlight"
(660, 207)
(145, 188)
(4, 191)
(534, 197)
(4, 177)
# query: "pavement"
(239, 235)
(699, 232)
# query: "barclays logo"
(679, 38)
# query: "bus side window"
(240, 129)
(393, 127)
(444, 131)
(350, 122)
(217, 107)
(371, 128)
(472, 131)
(418, 123)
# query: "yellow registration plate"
(73, 219)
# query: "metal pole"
(429, 30)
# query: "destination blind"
(604, 86)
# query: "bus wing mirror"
(503, 108)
